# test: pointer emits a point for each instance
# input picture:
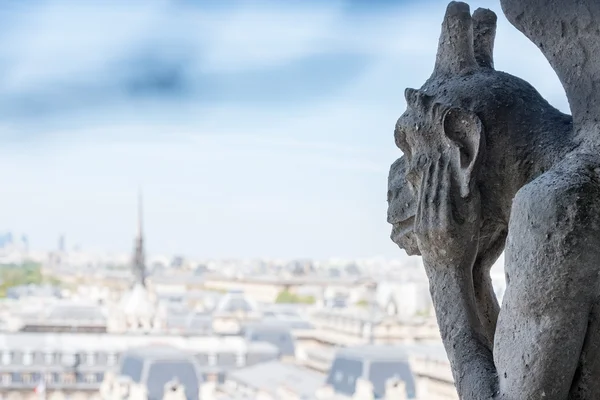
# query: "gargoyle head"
(431, 129)
(481, 122)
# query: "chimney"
(174, 391)
(395, 389)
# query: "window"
(240, 360)
(90, 359)
(6, 379)
(68, 359)
(49, 377)
(212, 359)
(6, 357)
(49, 358)
(226, 359)
(27, 358)
(338, 376)
(90, 378)
(26, 378)
(111, 359)
(343, 375)
(202, 358)
(68, 378)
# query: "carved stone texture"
(489, 166)
(567, 32)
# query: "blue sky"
(254, 128)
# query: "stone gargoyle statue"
(489, 166)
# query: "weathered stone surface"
(489, 166)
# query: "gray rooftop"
(190, 323)
(375, 353)
(272, 375)
(235, 301)
(279, 335)
(117, 343)
(76, 311)
(375, 363)
(157, 365)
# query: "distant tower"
(25, 241)
(61, 244)
(139, 257)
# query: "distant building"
(39, 291)
(359, 326)
(65, 317)
(75, 364)
(154, 368)
(273, 381)
(376, 364)
(433, 374)
(138, 307)
(62, 247)
(234, 310)
(235, 302)
(278, 335)
(404, 299)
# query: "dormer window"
(339, 376)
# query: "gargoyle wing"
(568, 33)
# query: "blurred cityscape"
(77, 325)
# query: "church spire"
(140, 227)
(139, 257)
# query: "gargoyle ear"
(464, 132)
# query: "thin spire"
(139, 257)
(140, 227)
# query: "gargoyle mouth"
(403, 235)
(403, 227)
(401, 208)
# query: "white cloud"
(256, 37)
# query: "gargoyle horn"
(484, 33)
(456, 53)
